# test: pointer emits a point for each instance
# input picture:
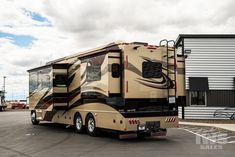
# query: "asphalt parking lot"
(19, 138)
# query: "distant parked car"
(27, 106)
(17, 105)
(225, 113)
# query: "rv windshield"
(40, 79)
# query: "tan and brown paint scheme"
(113, 100)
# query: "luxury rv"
(130, 88)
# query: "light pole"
(4, 83)
(4, 86)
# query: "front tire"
(78, 123)
(91, 125)
(34, 118)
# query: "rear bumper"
(124, 135)
(150, 124)
(149, 114)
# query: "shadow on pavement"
(105, 135)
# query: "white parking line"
(212, 140)
(225, 138)
(207, 131)
(212, 133)
(201, 130)
(199, 135)
(219, 135)
(195, 129)
(225, 142)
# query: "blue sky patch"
(19, 40)
(36, 16)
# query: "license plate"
(153, 126)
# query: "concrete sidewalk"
(230, 127)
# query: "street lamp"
(4, 78)
(4, 86)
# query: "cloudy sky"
(33, 32)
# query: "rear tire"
(34, 118)
(91, 125)
(78, 123)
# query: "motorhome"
(130, 88)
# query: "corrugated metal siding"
(207, 112)
(212, 58)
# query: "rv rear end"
(149, 89)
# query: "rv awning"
(198, 83)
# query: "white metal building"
(209, 74)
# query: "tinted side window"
(93, 73)
(116, 70)
(151, 70)
(60, 81)
(33, 82)
(45, 78)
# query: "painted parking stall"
(212, 134)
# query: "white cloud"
(85, 24)
(100, 21)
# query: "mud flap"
(127, 135)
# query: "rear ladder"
(170, 70)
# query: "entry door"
(114, 73)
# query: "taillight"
(126, 61)
(126, 86)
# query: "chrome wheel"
(34, 118)
(91, 125)
(78, 123)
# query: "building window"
(197, 98)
